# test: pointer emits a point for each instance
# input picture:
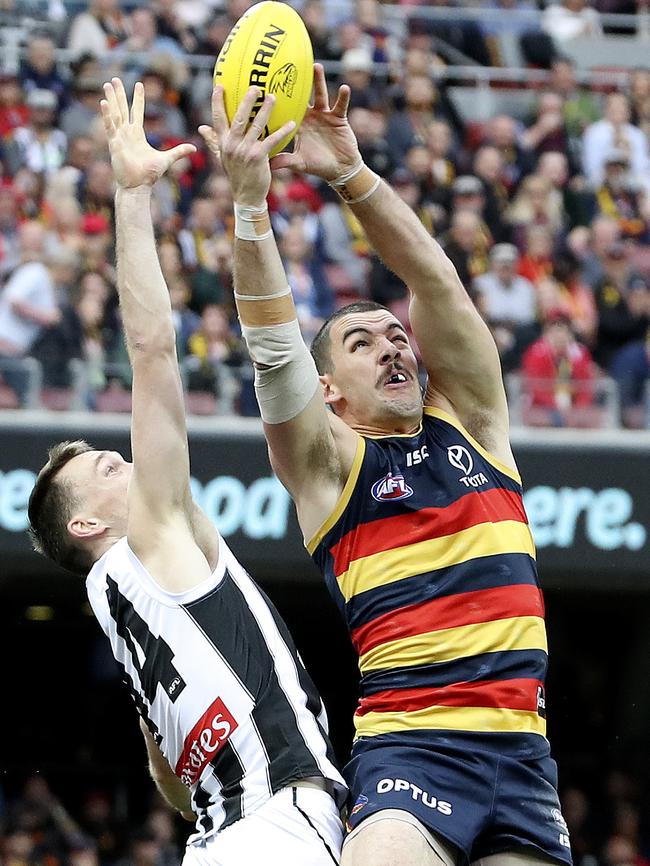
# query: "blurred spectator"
(178, 21)
(640, 97)
(311, 291)
(161, 823)
(507, 303)
(547, 131)
(28, 303)
(346, 248)
(605, 231)
(630, 368)
(571, 19)
(439, 143)
(39, 72)
(357, 72)
(535, 203)
(99, 823)
(615, 131)
(536, 262)
(580, 106)
(313, 14)
(619, 197)
(202, 225)
(623, 301)
(573, 296)
(156, 85)
(186, 322)
(144, 37)
(501, 132)
(96, 190)
(409, 127)
(558, 374)
(467, 244)
(83, 107)
(13, 111)
(488, 168)
(211, 348)
(370, 128)
(99, 28)
(144, 850)
(39, 146)
(10, 242)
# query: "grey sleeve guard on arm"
(286, 378)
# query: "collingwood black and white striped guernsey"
(216, 676)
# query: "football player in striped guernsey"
(410, 503)
(235, 730)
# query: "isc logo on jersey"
(391, 488)
(204, 740)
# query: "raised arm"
(159, 492)
(457, 349)
(167, 782)
(302, 435)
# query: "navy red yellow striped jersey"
(429, 556)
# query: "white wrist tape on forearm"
(252, 223)
(357, 184)
(285, 373)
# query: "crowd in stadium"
(38, 829)
(547, 219)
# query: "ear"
(331, 393)
(85, 527)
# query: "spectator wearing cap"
(357, 72)
(615, 131)
(507, 303)
(40, 145)
(39, 72)
(13, 111)
(623, 302)
(621, 199)
(97, 29)
(76, 119)
(558, 375)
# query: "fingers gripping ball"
(269, 48)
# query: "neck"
(394, 427)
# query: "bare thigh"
(510, 858)
(391, 842)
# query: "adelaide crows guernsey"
(429, 555)
(216, 676)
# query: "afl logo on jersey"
(390, 488)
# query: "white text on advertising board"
(259, 510)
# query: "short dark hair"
(321, 347)
(51, 503)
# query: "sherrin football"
(268, 47)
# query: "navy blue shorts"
(481, 800)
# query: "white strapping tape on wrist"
(270, 297)
(342, 179)
(252, 223)
(286, 378)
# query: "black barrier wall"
(586, 496)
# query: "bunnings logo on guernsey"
(203, 742)
(390, 488)
(386, 786)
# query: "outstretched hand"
(244, 156)
(325, 144)
(135, 162)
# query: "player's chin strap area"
(285, 373)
